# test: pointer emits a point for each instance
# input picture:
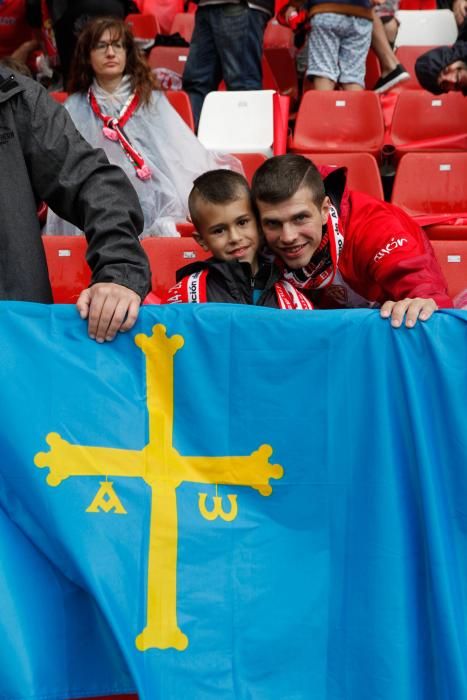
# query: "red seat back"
(362, 170)
(144, 26)
(338, 122)
(181, 104)
(183, 23)
(59, 96)
(431, 183)
(171, 57)
(452, 258)
(166, 256)
(279, 51)
(426, 122)
(250, 162)
(372, 69)
(407, 55)
(69, 272)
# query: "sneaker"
(393, 78)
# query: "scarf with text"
(113, 130)
(192, 290)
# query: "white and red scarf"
(192, 290)
(322, 268)
(113, 130)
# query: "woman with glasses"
(116, 106)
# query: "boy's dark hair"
(279, 178)
(217, 187)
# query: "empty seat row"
(353, 121)
(69, 273)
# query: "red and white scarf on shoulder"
(192, 290)
(113, 130)
(322, 268)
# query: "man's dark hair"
(217, 187)
(279, 178)
(429, 65)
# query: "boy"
(338, 43)
(346, 249)
(221, 209)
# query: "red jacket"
(386, 255)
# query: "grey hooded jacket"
(43, 157)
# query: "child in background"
(221, 209)
(339, 41)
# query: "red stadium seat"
(372, 69)
(144, 28)
(417, 5)
(362, 170)
(426, 122)
(166, 256)
(452, 257)
(407, 55)
(183, 23)
(432, 187)
(69, 272)
(279, 52)
(163, 10)
(457, 231)
(59, 96)
(181, 103)
(338, 122)
(250, 162)
(170, 57)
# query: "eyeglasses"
(103, 46)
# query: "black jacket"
(429, 65)
(232, 282)
(43, 157)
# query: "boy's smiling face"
(229, 231)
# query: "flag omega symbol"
(163, 469)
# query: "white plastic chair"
(426, 28)
(238, 122)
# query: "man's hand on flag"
(109, 308)
(412, 309)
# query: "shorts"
(338, 47)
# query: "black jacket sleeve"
(80, 185)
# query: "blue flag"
(232, 503)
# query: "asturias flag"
(232, 503)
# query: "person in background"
(116, 105)
(385, 28)
(227, 44)
(17, 39)
(444, 69)
(68, 17)
(338, 43)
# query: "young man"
(227, 44)
(221, 209)
(346, 249)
